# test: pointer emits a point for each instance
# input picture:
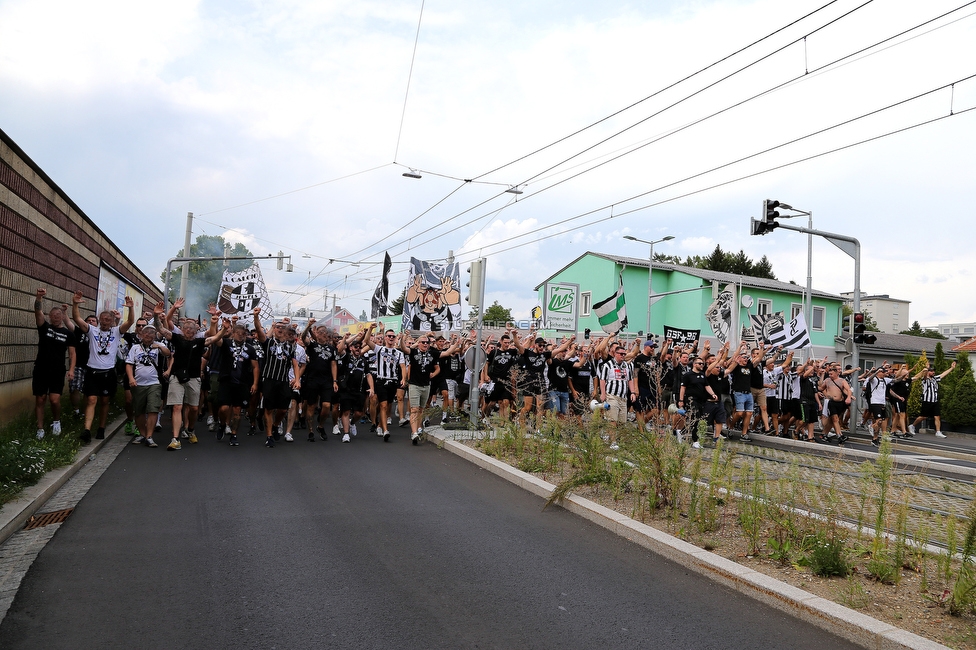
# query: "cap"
(540, 340)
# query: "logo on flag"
(612, 312)
(242, 291)
(792, 335)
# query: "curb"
(15, 514)
(858, 628)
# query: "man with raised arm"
(53, 340)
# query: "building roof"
(966, 346)
(902, 343)
(745, 280)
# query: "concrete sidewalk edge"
(15, 514)
(847, 623)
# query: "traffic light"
(476, 283)
(768, 222)
(858, 330)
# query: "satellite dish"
(746, 301)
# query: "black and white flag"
(680, 337)
(793, 336)
(242, 291)
(381, 297)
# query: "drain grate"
(47, 518)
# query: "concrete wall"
(45, 241)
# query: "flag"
(681, 337)
(381, 297)
(612, 312)
(432, 302)
(242, 291)
(719, 313)
(793, 336)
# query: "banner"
(242, 291)
(794, 336)
(612, 312)
(765, 324)
(680, 337)
(560, 307)
(381, 297)
(432, 303)
(719, 313)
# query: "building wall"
(45, 241)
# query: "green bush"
(828, 557)
(960, 405)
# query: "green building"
(688, 295)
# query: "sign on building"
(560, 310)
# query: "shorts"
(102, 383)
(78, 380)
(438, 385)
(836, 407)
(796, 409)
(646, 401)
(618, 409)
(418, 395)
(743, 402)
(897, 406)
(560, 401)
(808, 411)
(759, 397)
(500, 392)
(351, 402)
(205, 383)
(772, 405)
(230, 394)
(534, 387)
(714, 413)
(124, 376)
(877, 411)
(452, 387)
(931, 410)
(318, 390)
(48, 381)
(147, 399)
(179, 393)
(277, 394)
(214, 381)
(386, 389)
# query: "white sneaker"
(40, 434)
(352, 430)
(404, 422)
(939, 434)
(389, 421)
(379, 432)
(695, 445)
(56, 428)
(614, 446)
(335, 430)
(345, 437)
(289, 438)
(911, 429)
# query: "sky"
(288, 125)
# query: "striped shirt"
(617, 377)
(277, 359)
(388, 362)
(930, 389)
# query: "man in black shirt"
(740, 369)
(318, 380)
(53, 340)
(422, 366)
(498, 370)
(238, 373)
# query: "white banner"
(242, 291)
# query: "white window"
(795, 310)
(868, 364)
(585, 299)
(968, 330)
(818, 319)
(765, 308)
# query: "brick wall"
(45, 241)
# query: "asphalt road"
(361, 545)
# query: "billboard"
(560, 307)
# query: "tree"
(869, 323)
(497, 313)
(726, 262)
(947, 387)
(203, 284)
(916, 330)
(396, 307)
(960, 407)
(915, 395)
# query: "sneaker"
(346, 438)
(100, 434)
(335, 430)
(183, 434)
(679, 434)
(85, 436)
(311, 436)
(415, 439)
(911, 429)
(252, 430)
(875, 442)
(426, 423)
(233, 440)
(40, 434)
(192, 439)
(56, 428)
(174, 445)
(443, 417)
(352, 430)
(222, 432)
(721, 436)
(379, 432)
(211, 423)
(130, 428)
(277, 433)
(269, 442)
(323, 435)
(745, 438)
(695, 445)
(939, 434)
(389, 421)
(386, 436)
(372, 429)
(404, 422)
(150, 442)
(158, 427)
(138, 440)
(289, 438)
(844, 438)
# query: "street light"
(650, 268)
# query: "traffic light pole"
(852, 247)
